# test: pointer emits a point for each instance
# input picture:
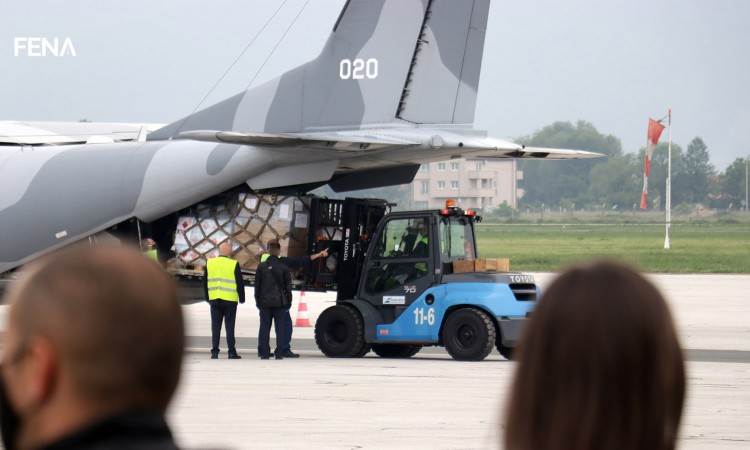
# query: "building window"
(454, 167)
(425, 187)
(454, 184)
(441, 167)
(479, 165)
(441, 185)
(424, 167)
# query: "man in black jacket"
(304, 263)
(273, 296)
(92, 353)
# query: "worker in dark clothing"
(273, 297)
(294, 263)
(223, 289)
(92, 353)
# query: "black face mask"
(9, 421)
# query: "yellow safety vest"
(264, 257)
(152, 254)
(221, 282)
(422, 240)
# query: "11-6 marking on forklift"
(421, 317)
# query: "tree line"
(615, 182)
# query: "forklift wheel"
(469, 334)
(339, 333)
(396, 350)
(365, 350)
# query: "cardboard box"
(492, 265)
(463, 266)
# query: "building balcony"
(480, 174)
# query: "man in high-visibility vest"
(149, 249)
(224, 289)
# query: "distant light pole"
(747, 163)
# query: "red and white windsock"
(654, 132)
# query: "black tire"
(396, 350)
(469, 334)
(506, 352)
(365, 350)
(339, 333)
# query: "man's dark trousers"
(222, 310)
(278, 316)
(289, 329)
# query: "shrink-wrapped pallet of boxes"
(250, 220)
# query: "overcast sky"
(613, 63)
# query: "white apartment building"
(473, 183)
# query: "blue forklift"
(398, 289)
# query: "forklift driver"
(417, 241)
(414, 244)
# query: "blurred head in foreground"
(91, 333)
(599, 366)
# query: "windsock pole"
(669, 185)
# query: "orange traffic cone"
(302, 319)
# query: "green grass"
(706, 248)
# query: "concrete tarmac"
(201, 344)
(428, 402)
(431, 401)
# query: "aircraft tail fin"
(442, 83)
(385, 61)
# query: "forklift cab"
(410, 252)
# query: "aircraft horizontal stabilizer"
(68, 133)
(555, 153)
(341, 141)
(489, 147)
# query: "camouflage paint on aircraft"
(395, 86)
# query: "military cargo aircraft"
(394, 86)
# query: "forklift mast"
(345, 228)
